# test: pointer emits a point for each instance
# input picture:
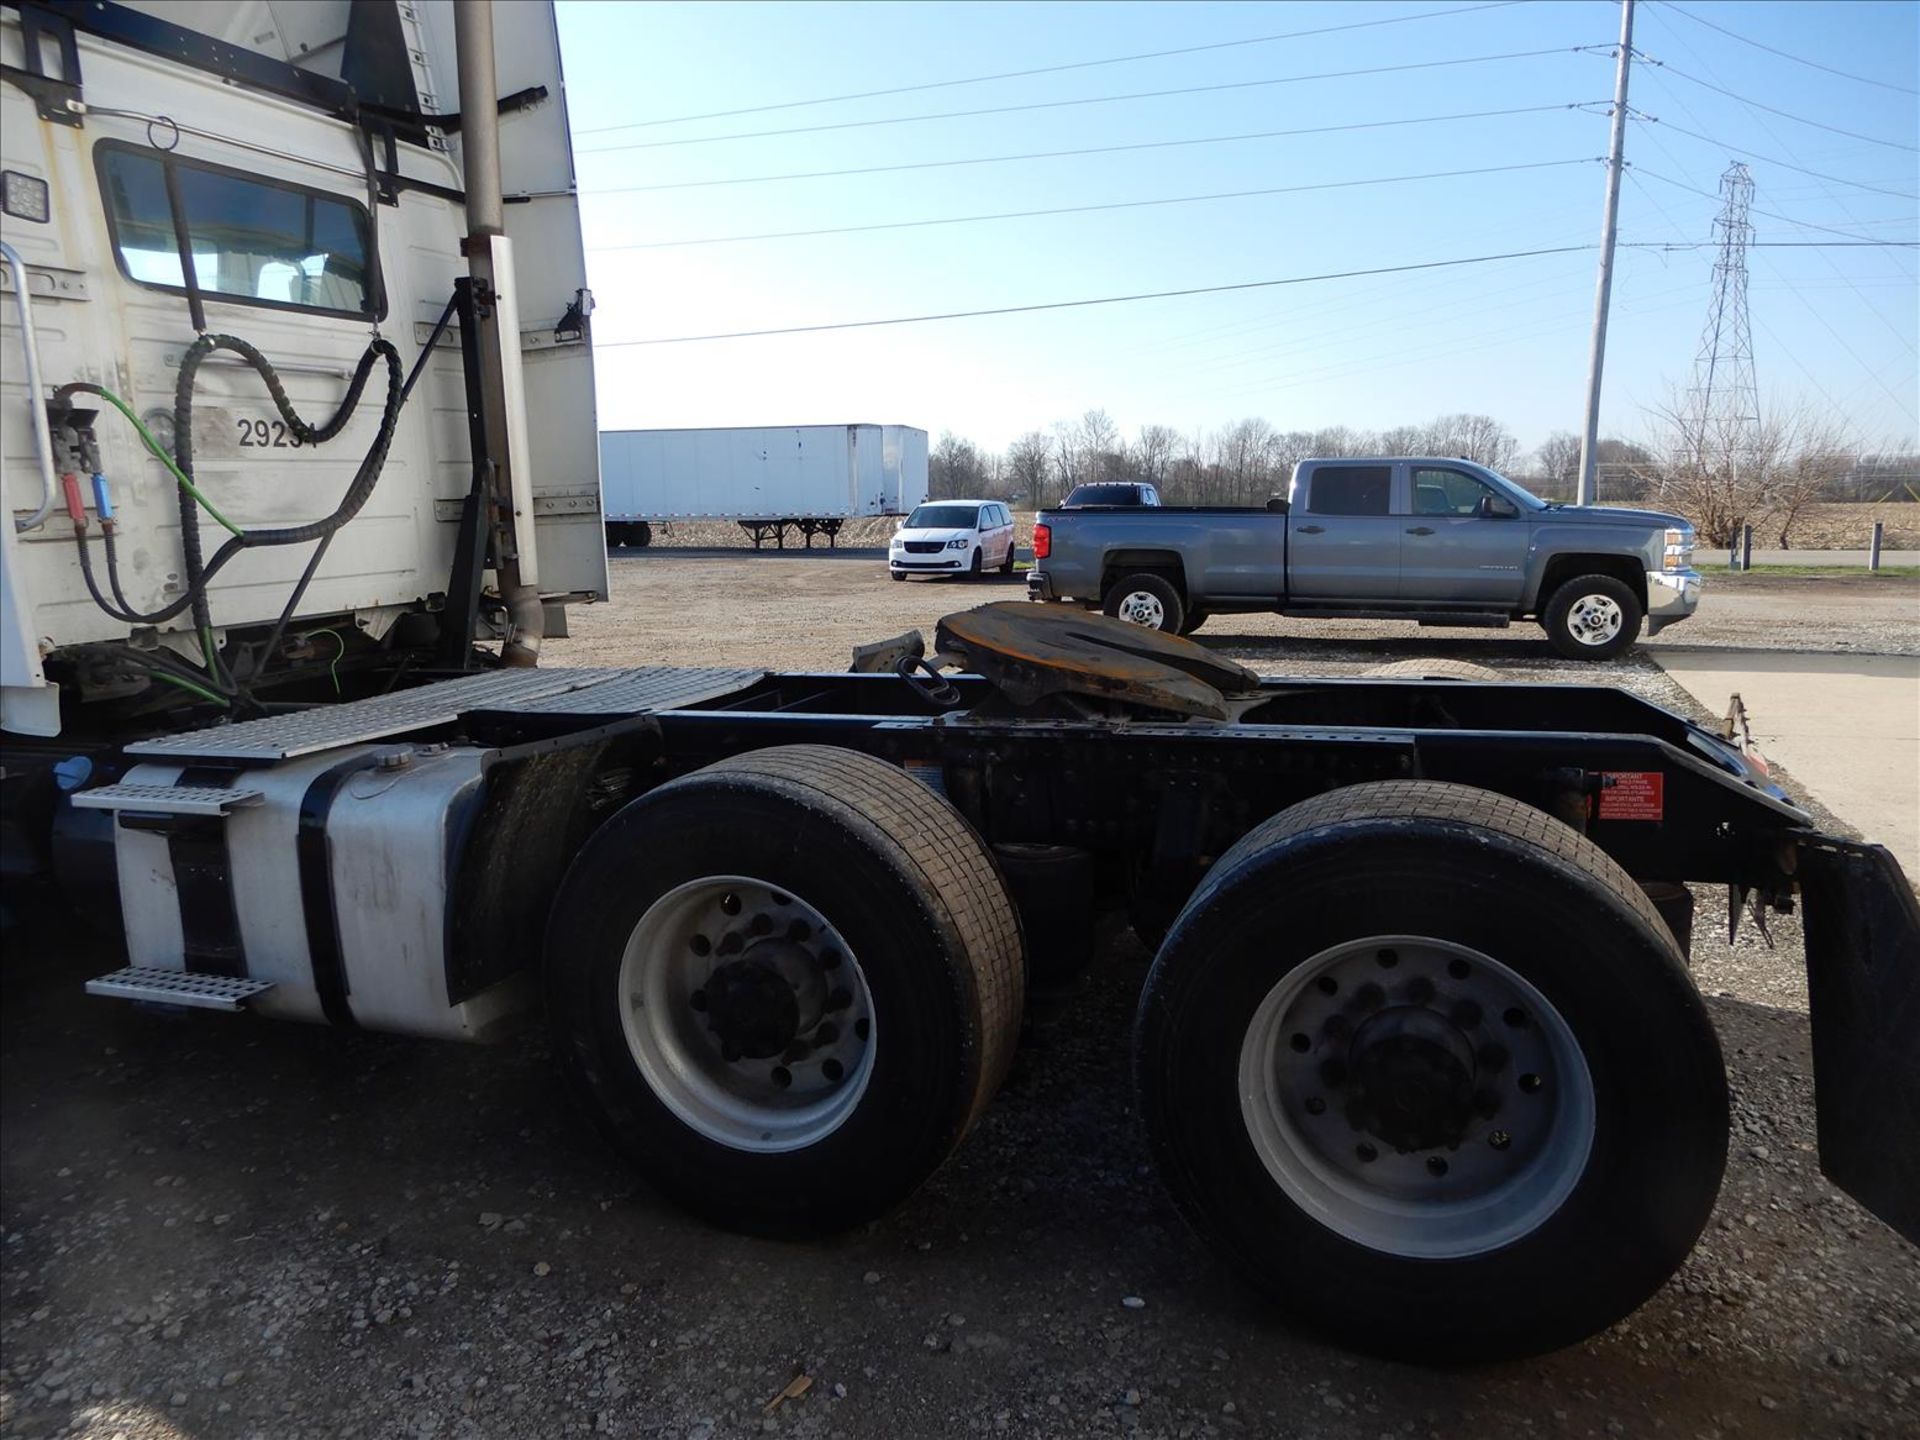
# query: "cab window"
(253, 240)
(1448, 493)
(1350, 490)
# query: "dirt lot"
(214, 1228)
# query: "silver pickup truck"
(1440, 542)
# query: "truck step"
(167, 799)
(159, 985)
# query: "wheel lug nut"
(699, 1000)
(730, 904)
(1315, 1105)
(1327, 985)
(700, 945)
(1301, 1043)
(1459, 969)
(1530, 1084)
(1499, 1139)
(1365, 1153)
(1436, 1165)
(833, 1070)
(782, 1076)
(1516, 1018)
(1388, 959)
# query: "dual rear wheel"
(1417, 1061)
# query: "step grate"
(166, 799)
(159, 985)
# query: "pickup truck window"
(1447, 492)
(1350, 490)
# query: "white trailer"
(767, 477)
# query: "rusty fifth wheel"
(1423, 1064)
(786, 985)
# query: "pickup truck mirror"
(1497, 507)
(1278, 505)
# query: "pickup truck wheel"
(786, 986)
(1593, 617)
(1146, 599)
(1195, 619)
(1421, 1063)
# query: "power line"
(1776, 110)
(1101, 300)
(1092, 100)
(1770, 160)
(1771, 215)
(1789, 55)
(1048, 69)
(1085, 209)
(1087, 150)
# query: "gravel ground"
(214, 1228)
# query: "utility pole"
(1609, 229)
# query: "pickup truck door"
(1465, 542)
(1343, 537)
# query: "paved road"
(1847, 725)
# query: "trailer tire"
(1593, 617)
(831, 901)
(1146, 599)
(1422, 1063)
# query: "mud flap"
(1863, 976)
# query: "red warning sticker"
(1633, 795)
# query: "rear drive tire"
(1195, 619)
(1146, 599)
(1593, 617)
(1421, 1063)
(786, 985)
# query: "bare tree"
(1557, 461)
(1152, 453)
(1029, 459)
(955, 468)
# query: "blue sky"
(1509, 338)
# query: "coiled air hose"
(200, 571)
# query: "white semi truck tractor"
(298, 469)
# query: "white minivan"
(953, 537)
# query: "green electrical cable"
(333, 665)
(167, 460)
(186, 684)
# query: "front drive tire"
(897, 574)
(976, 564)
(1422, 1064)
(1146, 599)
(786, 985)
(1593, 617)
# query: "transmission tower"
(1724, 403)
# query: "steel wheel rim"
(743, 939)
(1328, 1142)
(1595, 619)
(1143, 607)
